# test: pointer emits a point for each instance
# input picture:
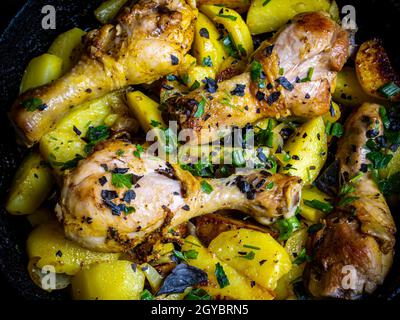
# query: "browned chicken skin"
(162, 195)
(360, 235)
(312, 46)
(147, 42)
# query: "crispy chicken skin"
(147, 42)
(360, 235)
(163, 196)
(311, 44)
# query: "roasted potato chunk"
(238, 5)
(237, 286)
(374, 69)
(40, 71)
(115, 280)
(254, 254)
(66, 142)
(268, 16)
(308, 149)
(66, 45)
(31, 185)
(348, 91)
(48, 243)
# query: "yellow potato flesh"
(116, 280)
(308, 149)
(64, 45)
(48, 243)
(312, 193)
(207, 47)
(239, 286)
(63, 144)
(267, 16)
(144, 109)
(31, 186)
(234, 24)
(40, 71)
(270, 261)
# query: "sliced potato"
(65, 44)
(115, 280)
(267, 16)
(308, 149)
(311, 193)
(348, 89)
(294, 245)
(374, 69)
(254, 254)
(239, 287)
(64, 144)
(145, 110)
(48, 243)
(40, 71)
(234, 24)
(31, 186)
(208, 51)
(238, 5)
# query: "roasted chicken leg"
(102, 211)
(147, 42)
(359, 236)
(291, 76)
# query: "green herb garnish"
(389, 90)
(287, 226)
(222, 279)
(206, 187)
(120, 180)
(325, 207)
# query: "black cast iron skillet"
(24, 38)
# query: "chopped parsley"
(120, 180)
(33, 104)
(146, 295)
(227, 16)
(222, 279)
(139, 150)
(198, 294)
(247, 255)
(325, 207)
(200, 108)
(302, 257)
(155, 123)
(206, 187)
(207, 62)
(286, 227)
(334, 129)
(95, 135)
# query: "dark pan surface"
(24, 38)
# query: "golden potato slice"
(40, 71)
(48, 243)
(374, 69)
(308, 149)
(254, 254)
(115, 280)
(31, 185)
(239, 287)
(270, 15)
